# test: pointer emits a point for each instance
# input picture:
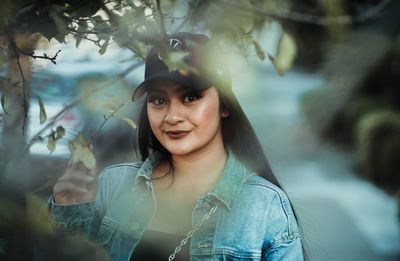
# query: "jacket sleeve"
(284, 240)
(82, 218)
(289, 249)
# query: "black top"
(156, 245)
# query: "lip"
(178, 134)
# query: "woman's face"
(182, 119)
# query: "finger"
(92, 173)
(77, 171)
(78, 166)
(68, 186)
(77, 176)
(92, 187)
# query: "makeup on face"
(183, 119)
(158, 96)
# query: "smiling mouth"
(177, 134)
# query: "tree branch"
(96, 42)
(24, 87)
(106, 118)
(53, 120)
(160, 14)
(71, 29)
(44, 56)
(309, 18)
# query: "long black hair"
(237, 134)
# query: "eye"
(156, 100)
(190, 98)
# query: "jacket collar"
(145, 171)
(225, 191)
(229, 185)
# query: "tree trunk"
(14, 162)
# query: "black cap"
(199, 63)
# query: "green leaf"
(103, 48)
(61, 27)
(174, 61)
(3, 102)
(51, 142)
(176, 57)
(60, 132)
(42, 115)
(81, 152)
(78, 40)
(82, 27)
(130, 122)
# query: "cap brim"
(190, 81)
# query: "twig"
(53, 120)
(186, 19)
(44, 56)
(92, 31)
(106, 118)
(309, 18)
(25, 102)
(162, 25)
(96, 42)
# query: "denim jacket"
(253, 221)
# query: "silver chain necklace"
(190, 233)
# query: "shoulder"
(264, 189)
(275, 203)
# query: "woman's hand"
(77, 185)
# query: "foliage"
(135, 25)
(378, 145)
(27, 233)
(140, 24)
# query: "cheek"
(205, 115)
(154, 119)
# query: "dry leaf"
(60, 132)
(286, 54)
(130, 122)
(51, 142)
(42, 116)
(81, 152)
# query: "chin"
(178, 150)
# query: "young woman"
(204, 190)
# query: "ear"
(224, 114)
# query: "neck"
(202, 167)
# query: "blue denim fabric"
(254, 220)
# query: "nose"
(174, 113)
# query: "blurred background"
(317, 79)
